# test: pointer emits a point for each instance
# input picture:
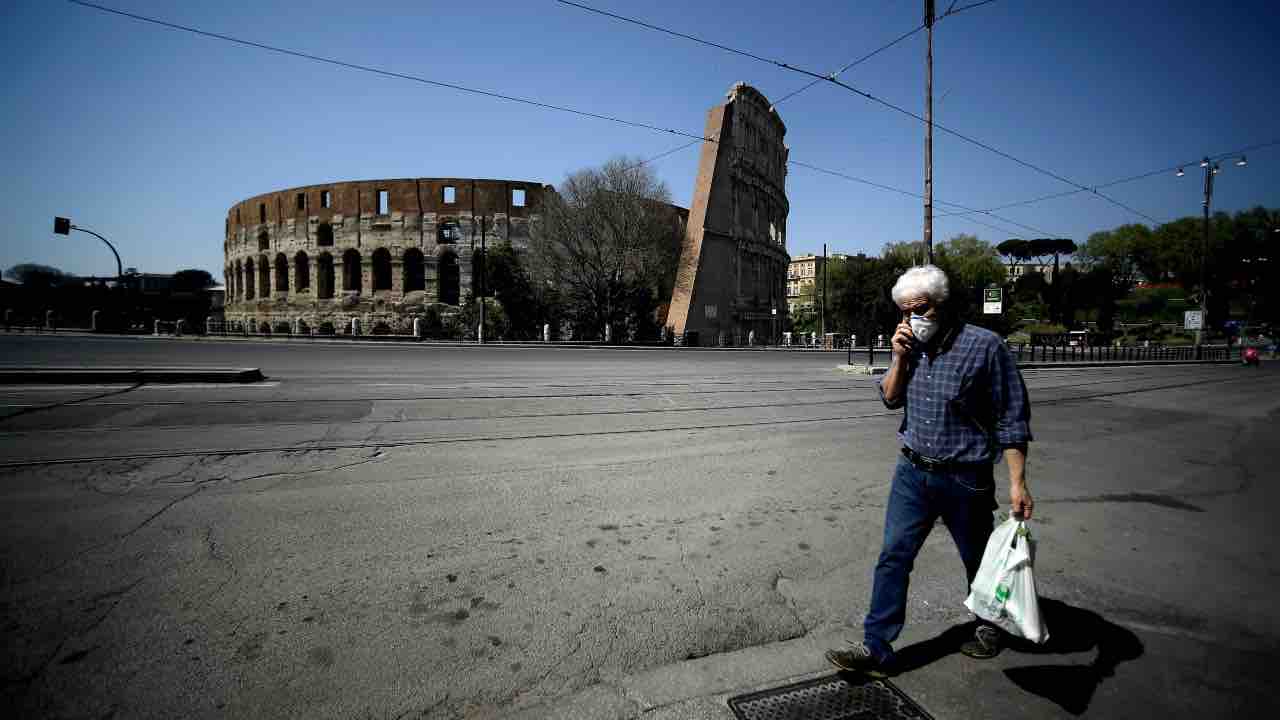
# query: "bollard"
(208, 325)
(157, 327)
(608, 333)
(546, 332)
(179, 327)
(355, 326)
(417, 328)
(94, 321)
(751, 338)
(50, 321)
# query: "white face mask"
(923, 328)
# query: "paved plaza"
(442, 532)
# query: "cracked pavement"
(735, 501)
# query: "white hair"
(922, 281)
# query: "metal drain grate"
(833, 697)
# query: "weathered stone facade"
(734, 260)
(313, 258)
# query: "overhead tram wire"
(386, 73)
(499, 96)
(860, 60)
(818, 77)
(1121, 181)
(952, 11)
(918, 196)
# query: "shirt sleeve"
(1009, 400)
(902, 399)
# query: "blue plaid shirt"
(968, 403)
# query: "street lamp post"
(1211, 168)
(63, 226)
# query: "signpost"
(1193, 320)
(993, 301)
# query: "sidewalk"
(1086, 668)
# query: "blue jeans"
(964, 499)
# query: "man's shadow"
(1071, 630)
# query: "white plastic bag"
(1004, 591)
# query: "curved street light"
(63, 226)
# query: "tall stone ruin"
(732, 273)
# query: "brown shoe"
(857, 658)
(985, 643)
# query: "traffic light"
(62, 226)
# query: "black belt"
(929, 464)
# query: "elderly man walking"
(966, 406)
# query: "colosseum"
(313, 259)
(371, 256)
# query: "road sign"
(992, 301)
(1193, 320)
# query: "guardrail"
(1128, 353)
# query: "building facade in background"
(730, 281)
(802, 282)
(379, 251)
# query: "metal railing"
(1025, 352)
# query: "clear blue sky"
(148, 135)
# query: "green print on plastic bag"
(1002, 593)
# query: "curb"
(101, 375)
(697, 688)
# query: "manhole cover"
(834, 697)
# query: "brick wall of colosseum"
(377, 250)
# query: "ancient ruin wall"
(733, 263)
(377, 250)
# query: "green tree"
(859, 295)
(527, 307)
(971, 265)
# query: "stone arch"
(414, 271)
(301, 271)
(264, 277)
(351, 277)
(324, 235)
(282, 273)
(381, 269)
(249, 278)
(264, 239)
(450, 279)
(324, 276)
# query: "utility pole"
(483, 262)
(1210, 169)
(822, 314)
(928, 132)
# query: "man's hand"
(903, 339)
(1020, 502)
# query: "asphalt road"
(386, 531)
